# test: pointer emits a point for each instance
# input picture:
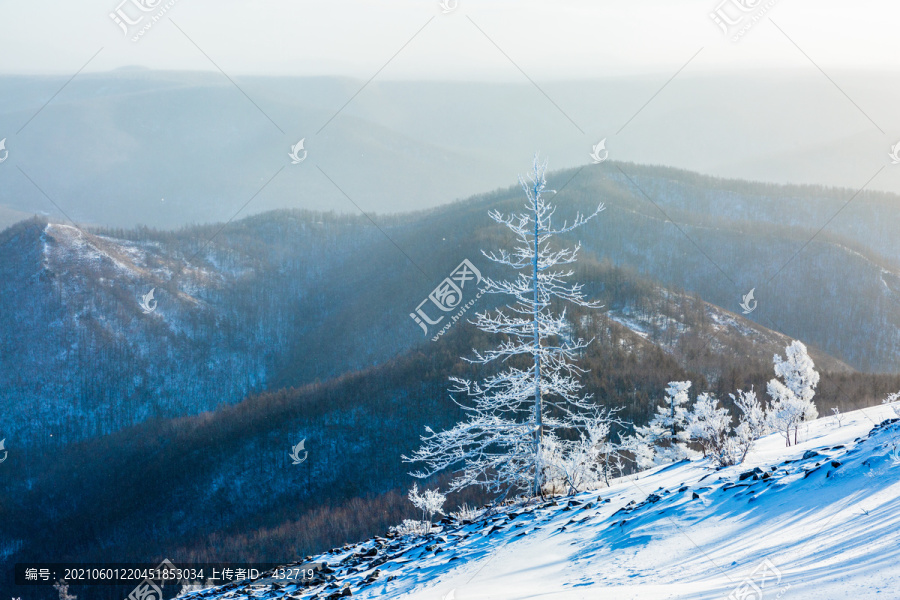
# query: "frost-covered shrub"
(838, 416)
(63, 589)
(196, 586)
(430, 503)
(412, 527)
(587, 463)
(466, 514)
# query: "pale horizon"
(572, 40)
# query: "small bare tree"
(430, 502)
(838, 416)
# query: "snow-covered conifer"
(499, 446)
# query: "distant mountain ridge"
(272, 300)
(258, 272)
(166, 149)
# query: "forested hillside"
(287, 298)
(221, 484)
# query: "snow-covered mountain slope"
(817, 520)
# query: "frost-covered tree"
(751, 425)
(709, 425)
(893, 400)
(499, 446)
(664, 439)
(586, 463)
(430, 503)
(792, 399)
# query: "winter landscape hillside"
(240, 313)
(815, 520)
(449, 300)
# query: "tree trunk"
(538, 418)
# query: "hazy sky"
(829, 118)
(559, 39)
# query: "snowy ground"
(817, 520)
